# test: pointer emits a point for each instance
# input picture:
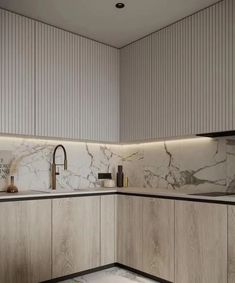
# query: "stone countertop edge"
(37, 194)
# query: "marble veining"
(193, 165)
(112, 275)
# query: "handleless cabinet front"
(200, 242)
(130, 231)
(25, 241)
(16, 74)
(76, 235)
(158, 238)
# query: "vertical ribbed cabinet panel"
(212, 54)
(171, 81)
(135, 94)
(99, 92)
(57, 83)
(231, 35)
(16, 74)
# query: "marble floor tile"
(112, 275)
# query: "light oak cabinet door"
(76, 235)
(16, 74)
(108, 229)
(158, 237)
(200, 242)
(130, 231)
(231, 244)
(25, 241)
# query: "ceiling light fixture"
(120, 5)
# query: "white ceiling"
(100, 20)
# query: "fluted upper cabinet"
(180, 80)
(171, 81)
(212, 68)
(57, 83)
(135, 92)
(16, 74)
(99, 91)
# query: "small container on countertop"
(12, 188)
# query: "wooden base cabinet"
(76, 235)
(25, 241)
(130, 231)
(200, 242)
(231, 244)
(158, 238)
(108, 230)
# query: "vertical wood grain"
(76, 235)
(135, 92)
(99, 92)
(57, 83)
(25, 241)
(108, 229)
(130, 231)
(158, 238)
(16, 74)
(200, 242)
(231, 244)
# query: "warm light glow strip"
(55, 141)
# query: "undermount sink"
(214, 194)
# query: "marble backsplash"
(183, 165)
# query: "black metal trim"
(118, 193)
(178, 198)
(81, 273)
(217, 134)
(115, 264)
(144, 274)
(55, 197)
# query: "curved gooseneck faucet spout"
(53, 166)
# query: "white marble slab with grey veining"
(195, 165)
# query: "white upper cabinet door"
(16, 74)
(57, 83)
(212, 68)
(171, 81)
(99, 92)
(135, 92)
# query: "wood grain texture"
(16, 74)
(130, 231)
(25, 241)
(108, 229)
(231, 244)
(158, 238)
(76, 235)
(200, 242)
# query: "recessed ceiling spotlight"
(120, 5)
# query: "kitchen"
(87, 88)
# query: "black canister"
(120, 177)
